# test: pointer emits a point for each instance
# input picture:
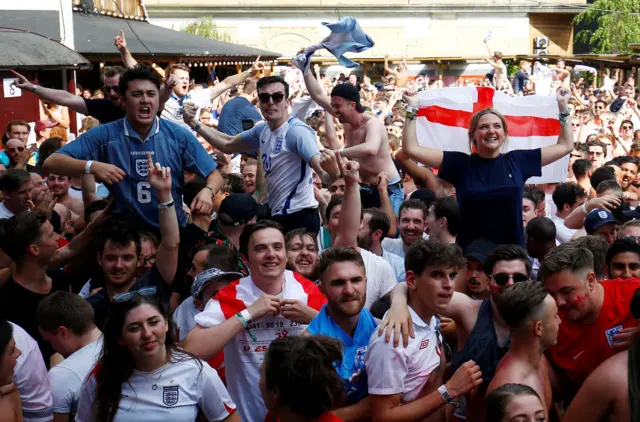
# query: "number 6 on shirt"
(144, 192)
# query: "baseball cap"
(237, 209)
(596, 219)
(43, 124)
(349, 93)
(479, 250)
(211, 276)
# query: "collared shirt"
(118, 144)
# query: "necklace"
(154, 379)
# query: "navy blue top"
(103, 110)
(234, 112)
(489, 193)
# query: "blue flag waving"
(346, 35)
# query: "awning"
(27, 50)
(94, 35)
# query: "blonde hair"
(59, 132)
(89, 123)
(473, 124)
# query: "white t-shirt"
(173, 110)
(174, 392)
(563, 233)
(243, 355)
(67, 377)
(399, 370)
(183, 318)
(30, 376)
(4, 211)
(285, 155)
(381, 278)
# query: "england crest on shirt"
(278, 145)
(170, 395)
(359, 358)
(142, 167)
(612, 332)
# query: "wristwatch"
(411, 109)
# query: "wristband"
(341, 150)
(87, 167)
(244, 323)
(563, 116)
(247, 316)
(583, 207)
(410, 115)
(411, 109)
(211, 189)
(165, 205)
(445, 395)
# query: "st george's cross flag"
(532, 121)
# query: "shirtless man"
(483, 335)
(59, 186)
(532, 316)
(365, 137)
(495, 60)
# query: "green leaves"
(616, 26)
(206, 28)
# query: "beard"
(365, 242)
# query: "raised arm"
(349, 221)
(121, 45)
(167, 255)
(423, 174)
(223, 142)
(56, 96)
(428, 156)
(564, 146)
(233, 80)
(385, 204)
(330, 132)
(387, 69)
(316, 91)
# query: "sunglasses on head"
(502, 279)
(127, 296)
(277, 97)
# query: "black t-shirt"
(19, 305)
(104, 110)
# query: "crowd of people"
(281, 247)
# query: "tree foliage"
(614, 31)
(206, 28)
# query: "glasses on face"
(627, 127)
(18, 149)
(502, 279)
(127, 296)
(109, 88)
(277, 97)
(575, 124)
(151, 259)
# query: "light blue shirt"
(397, 264)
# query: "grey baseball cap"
(211, 276)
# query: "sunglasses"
(627, 127)
(277, 97)
(19, 149)
(109, 88)
(127, 296)
(502, 279)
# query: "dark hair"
(192, 188)
(149, 236)
(534, 194)
(426, 253)
(270, 80)
(447, 207)
(541, 230)
(498, 400)
(138, 73)
(506, 253)
(621, 246)
(580, 147)
(335, 200)
(6, 334)
(221, 257)
(250, 229)
(413, 204)
(600, 175)
(338, 254)
(598, 247)
(609, 185)
(47, 148)
(232, 183)
(65, 309)
(12, 179)
(581, 168)
(288, 238)
(597, 143)
(93, 207)
(19, 232)
(10, 126)
(566, 256)
(567, 193)
(302, 368)
(120, 233)
(626, 159)
(520, 302)
(110, 72)
(378, 221)
(380, 307)
(116, 364)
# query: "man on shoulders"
(115, 154)
(249, 313)
(66, 321)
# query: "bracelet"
(445, 394)
(563, 116)
(410, 115)
(245, 324)
(87, 167)
(34, 88)
(165, 205)
(211, 189)
(411, 109)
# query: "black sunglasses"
(502, 279)
(127, 296)
(109, 88)
(277, 97)
(151, 259)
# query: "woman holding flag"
(489, 184)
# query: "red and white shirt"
(243, 355)
(174, 392)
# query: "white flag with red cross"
(532, 122)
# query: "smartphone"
(247, 124)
